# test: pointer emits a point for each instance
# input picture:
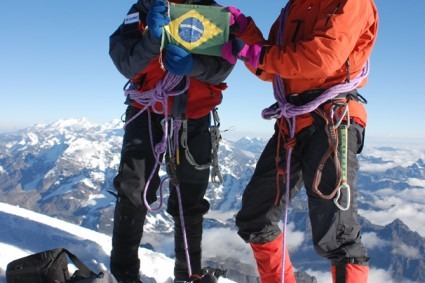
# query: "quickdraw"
(343, 130)
(216, 176)
(337, 138)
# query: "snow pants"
(335, 233)
(137, 163)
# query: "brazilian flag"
(197, 29)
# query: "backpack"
(52, 267)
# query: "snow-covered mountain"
(25, 232)
(65, 169)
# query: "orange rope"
(288, 143)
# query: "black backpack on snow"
(52, 267)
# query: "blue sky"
(54, 64)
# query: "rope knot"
(284, 109)
(161, 147)
(160, 93)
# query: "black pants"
(137, 163)
(336, 233)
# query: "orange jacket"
(319, 37)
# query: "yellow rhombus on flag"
(198, 29)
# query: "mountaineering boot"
(126, 237)
(193, 225)
(350, 272)
(269, 261)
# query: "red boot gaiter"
(269, 261)
(349, 273)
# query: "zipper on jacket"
(333, 13)
(297, 28)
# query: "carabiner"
(333, 113)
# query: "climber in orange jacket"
(317, 52)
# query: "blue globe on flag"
(191, 30)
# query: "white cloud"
(373, 167)
(392, 157)
(390, 204)
(416, 182)
(372, 241)
(380, 276)
(229, 243)
(407, 251)
(321, 277)
(295, 238)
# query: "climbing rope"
(150, 98)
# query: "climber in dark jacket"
(135, 48)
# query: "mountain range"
(65, 170)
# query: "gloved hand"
(157, 18)
(238, 21)
(237, 49)
(177, 60)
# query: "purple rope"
(289, 110)
(159, 94)
(186, 246)
(177, 126)
(277, 81)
